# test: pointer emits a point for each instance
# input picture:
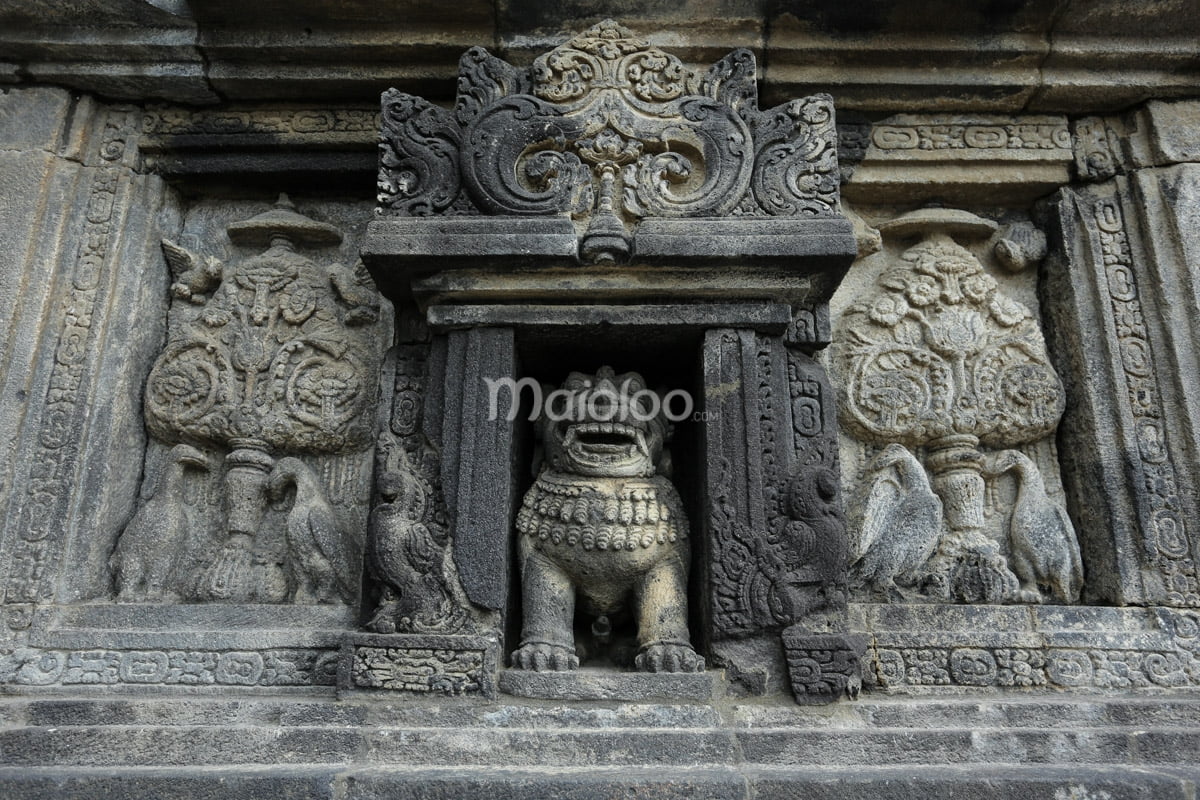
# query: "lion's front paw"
(669, 657)
(542, 657)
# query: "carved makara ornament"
(939, 359)
(268, 354)
(600, 526)
(607, 129)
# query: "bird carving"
(320, 558)
(152, 541)
(408, 552)
(899, 526)
(1043, 548)
(355, 289)
(193, 275)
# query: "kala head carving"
(602, 526)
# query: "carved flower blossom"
(888, 310)
(956, 332)
(1007, 311)
(922, 290)
(977, 287)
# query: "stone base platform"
(596, 684)
(1041, 746)
(958, 703)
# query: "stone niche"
(611, 225)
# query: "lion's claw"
(668, 657)
(541, 657)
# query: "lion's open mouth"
(606, 442)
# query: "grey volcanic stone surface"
(1085, 746)
(980, 108)
(1006, 57)
(588, 684)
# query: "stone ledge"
(1100, 781)
(594, 684)
(1026, 56)
(934, 648)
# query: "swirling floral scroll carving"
(418, 156)
(795, 165)
(608, 130)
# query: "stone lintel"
(615, 285)
(802, 243)
(399, 249)
(771, 318)
(910, 158)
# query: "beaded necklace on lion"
(602, 514)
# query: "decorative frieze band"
(1126, 649)
(262, 668)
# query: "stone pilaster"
(477, 466)
(1121, 298)
(83, 291)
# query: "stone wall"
(943, 343)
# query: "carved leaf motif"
(482, 80)
(733, 81)
(795, 165)
(418, 156)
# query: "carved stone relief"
(946, 379)
(604, 528)
(409, 543)
(609, 152)
(608, 130)
(794, 573)
(267, 385)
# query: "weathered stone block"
(628, 687)
(420, 664)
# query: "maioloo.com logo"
(601, 402)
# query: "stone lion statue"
(601, 527)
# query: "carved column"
(775, 533)
(477, 467)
